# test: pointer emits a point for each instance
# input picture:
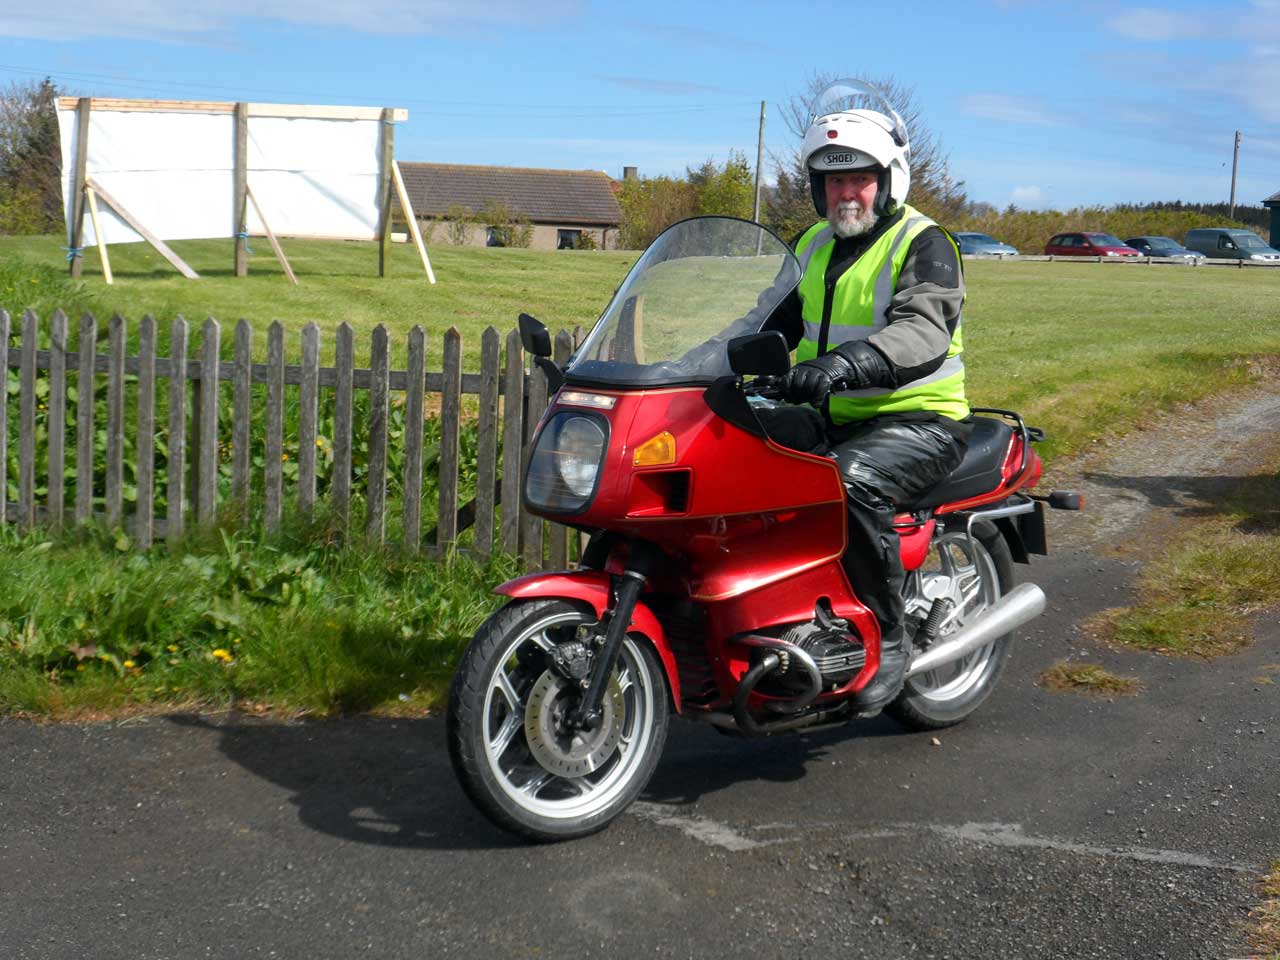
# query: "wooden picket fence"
(511, 400)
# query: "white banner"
(173, 169)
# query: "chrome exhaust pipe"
(1023, 603)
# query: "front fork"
(641, 562)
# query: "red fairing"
(745, 512)
(592, 586)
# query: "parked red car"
(1088, 245)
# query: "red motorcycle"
(712, 582)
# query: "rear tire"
(511, 753)
(977, 573)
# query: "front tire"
(514, 758)
(974, 574)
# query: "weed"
(1087, 678)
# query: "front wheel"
(515, 757)
(973, 574)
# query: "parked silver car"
(980, 243)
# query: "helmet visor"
(847, 95)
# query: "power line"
(545, 110)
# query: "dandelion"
(128, 664)
(284, 456)
(222, 655)
(172, 648)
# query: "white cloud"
(1154, 26)
(1006, 109)
(169, 20)
(1027, 196)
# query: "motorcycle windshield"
(699, 284)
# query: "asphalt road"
(1048, 826)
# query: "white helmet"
(856, 139)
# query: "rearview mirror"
(534, 336)
(763, 354)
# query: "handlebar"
(771, 388)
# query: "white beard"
(851, 219)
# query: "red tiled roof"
(544, 196)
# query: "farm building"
(1272, 203)
(565, 209)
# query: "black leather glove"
(850, 366)
(811, 381)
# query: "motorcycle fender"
(593, 587)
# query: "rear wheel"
(973, 574)
(514, 754)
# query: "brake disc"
(560, 749)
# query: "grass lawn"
(337, 281)
(1081, 350)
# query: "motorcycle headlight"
(565, 465)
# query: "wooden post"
(406, 207)
(376, 477)
(242, 415)
(161, 247)
(78, 182)
(344, 360)
(97, 235)
(176, 492)
(88, 345)
(534, 525)
(557, 534)
(146, 442)
(4, 420)
(386, 139)
(57, 422)
(27, 423)
(241, 187)
(271, 237)
(413, 430)
(308, 417)
(487, 440)
(512, 443)
(116, 337)
(273, 450)
(629, 343)
(450, 414)
(207, 440)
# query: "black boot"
(888, 680)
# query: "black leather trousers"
(886, 462)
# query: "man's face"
(850, 198)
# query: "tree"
(933, 190)
(728, 190)
(650, 205)
(30, 159)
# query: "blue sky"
(1045, 105)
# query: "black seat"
(980, 470)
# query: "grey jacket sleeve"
(925, 309)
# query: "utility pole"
(755, 209)
(1235, 162)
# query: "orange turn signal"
(656, 451)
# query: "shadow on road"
(1256, 498)
(388, 782)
